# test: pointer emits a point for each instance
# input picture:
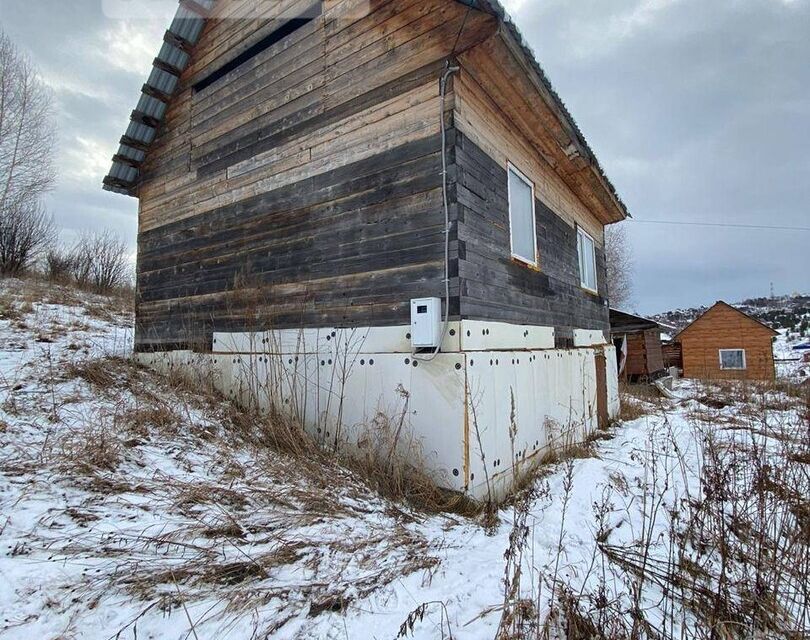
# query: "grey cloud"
(701, 112)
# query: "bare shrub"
(725, 556)
(99, 262)
(153, 415)
(91, 449)
(58, 265)
(98, 372)
(519, 615)
(26, 231)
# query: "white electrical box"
(426, 323)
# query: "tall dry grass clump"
(726, 555)
(719, 547)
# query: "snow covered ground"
(789, 362)
(132, 507)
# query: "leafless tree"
(27, 137)
(81, 261)
(99, 261)
(619, 257)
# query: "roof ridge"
(733, 308)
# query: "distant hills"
(781, 312)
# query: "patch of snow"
(191, 533)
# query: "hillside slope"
(132, 506)
(789, 313)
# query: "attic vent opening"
(288, 28)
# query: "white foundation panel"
(588, 338)
(475, 419)
(494, 336)
(614, 406)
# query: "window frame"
(582, 283)
(522, 176)
(744, 360)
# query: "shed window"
(587, 260)
(732, 359)
(521, 217)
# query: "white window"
(732, 359)
(521, 217)
(587, 260)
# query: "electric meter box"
(426, 323)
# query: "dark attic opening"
(288, 28)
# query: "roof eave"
(163, 82)
(528, 60)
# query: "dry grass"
(90, 450)
(396, 473)
(272, 498)
(735, 556)
(638, 400)
(9, 308)
(233, 499)
(97, 372)
(379, 461)
(376, 462)
(19, 297)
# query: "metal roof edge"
(172, 59)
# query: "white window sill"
(526, 261)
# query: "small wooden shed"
(638, 346)
(725, 343)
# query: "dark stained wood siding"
(496, 287)
(303, 188)
(346, 248)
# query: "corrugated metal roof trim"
(123, 172)
(152, 107)
(162, 81)
(187, 26)
(140, 132)
(173, 56)
(132, 154)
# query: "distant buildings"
(725, 343)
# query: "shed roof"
(720, 303)
(623, 322)
(174, 56)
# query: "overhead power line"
(722, 224)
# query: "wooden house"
(638, 346)
(725, 343)
(309, 169)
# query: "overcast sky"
(699, 111)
